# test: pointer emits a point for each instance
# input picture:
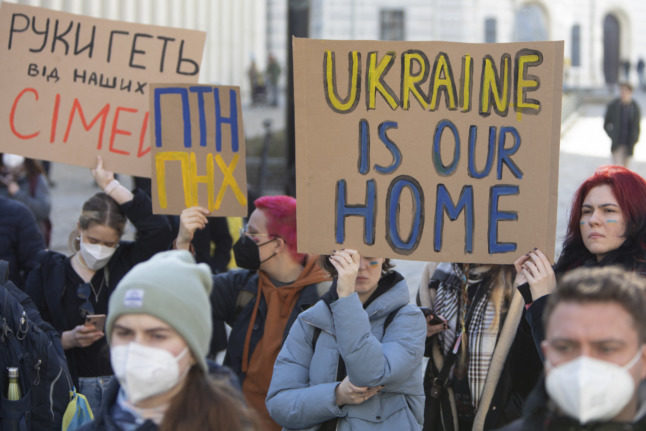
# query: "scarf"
(481, 333)
(280, 303)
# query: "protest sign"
(198, 155)
(427, 150)
(75, 87)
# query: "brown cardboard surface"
(75, 87)
(407, 102)
(198, 149)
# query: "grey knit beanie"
(173, 288)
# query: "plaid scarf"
(482, 338)
(481, 335)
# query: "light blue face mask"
(589, 389)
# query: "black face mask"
(247, 253)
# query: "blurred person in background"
(24, 180)
(20, 239)
(621, 123)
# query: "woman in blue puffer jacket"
(353, 360)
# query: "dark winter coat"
(20, 239)
(58, 302)
(540, 414)
(627, 256)
(612, 124)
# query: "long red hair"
(630, 191)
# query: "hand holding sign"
(190, 220)
(346, 262)
(101, 176)
(535, 269)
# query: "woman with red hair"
(626, 193)
(261, 301)
(607, 227)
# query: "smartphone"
(96, 320)
(435, 320)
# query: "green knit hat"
(173, 288)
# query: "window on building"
(490, 30)
(391, 22)
(576, 45)
(530, 23)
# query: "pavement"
(584, 147)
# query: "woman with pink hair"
(261, 301)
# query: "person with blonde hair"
(482, 359)
(68, 289)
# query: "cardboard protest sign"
(75, 87)
(198, 155)
(427, 150)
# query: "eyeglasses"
(83, 291)
(253, 235)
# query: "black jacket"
(232, 300)
(58, 302)
(521, 370)
(540, 414)
(20, 239)
(613, 125)
(625, 257)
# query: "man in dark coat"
(621, 123)
(595, 355)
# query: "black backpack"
(34, 346)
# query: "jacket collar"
(394, 294)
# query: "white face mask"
(145, 371)
(96, 256)
(12, 160)
(589, 389)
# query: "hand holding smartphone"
(96, 320)
(435, 319)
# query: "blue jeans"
(93, 388)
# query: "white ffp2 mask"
(96, 256)
(589, 389)
(145, 371)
